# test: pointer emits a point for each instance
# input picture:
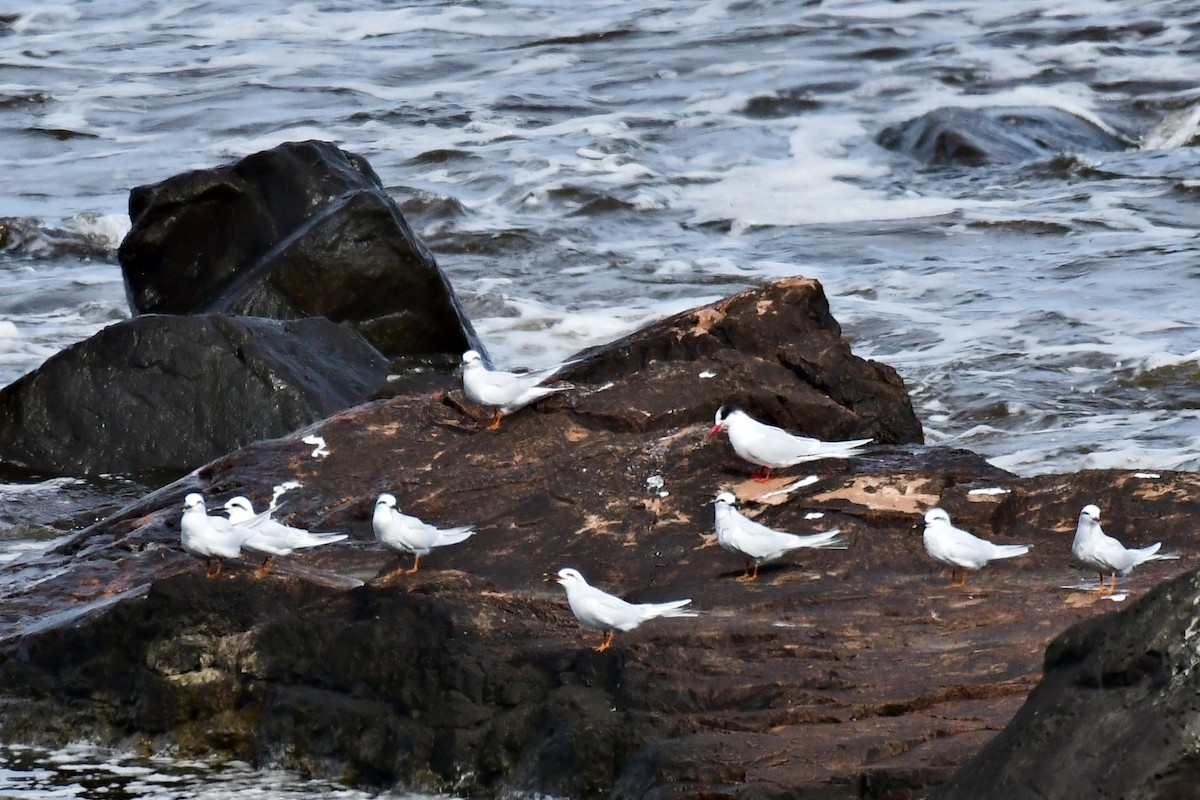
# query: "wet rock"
(971, 137)
(166, 394)
(28, 238)
(1117, 702)
(303, 229)
(838, 674)
(775, 351)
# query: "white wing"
(740, 534)
(508, 390)
(771, 446)
(959, 548)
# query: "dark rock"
(303, 229)
(1118, 702)
(775, 351)
(838, 674)
(165, 393)
(974, 136)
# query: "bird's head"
(193, 501)
(726, 498)
(385, 501)
(471, 357)
(936, 515)
(239, 509)
(721, 420)
(1091, 512)
(568, 576)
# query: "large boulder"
(775, 350)
(167, 393)
(1117, 703)
(838, 674)
(303, 229)
(971, 137)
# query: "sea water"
(82, 772)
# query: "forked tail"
(1151, 553)
(675, 608)
(456, 535)
(829, 540)
(1010, 550)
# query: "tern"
(774, 448)
(596, 608)
(505, 391)
(208, 537)
(272, 538)
(959, 549)
(759, 544)
(406, 534)
(1104, 554)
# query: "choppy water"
(580, 168)
(90, 773)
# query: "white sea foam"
(814, 185)
(10, 336)
(84, 771)
(109, 229)
(1160, 360)
(531, 334)
(543, 63)
(47, 18)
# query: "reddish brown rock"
(777, 352)
(856, 673)
(1116, 702)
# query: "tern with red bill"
(770, 447)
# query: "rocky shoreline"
(838, 674)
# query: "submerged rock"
(301, 230)
(165, 393)
(971, 137)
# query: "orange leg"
(607, 643)
(266, 566)
(1101, 589)
(747, 575)
(958, 585)
(762, 476)
(416, 565)
(495, 423)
